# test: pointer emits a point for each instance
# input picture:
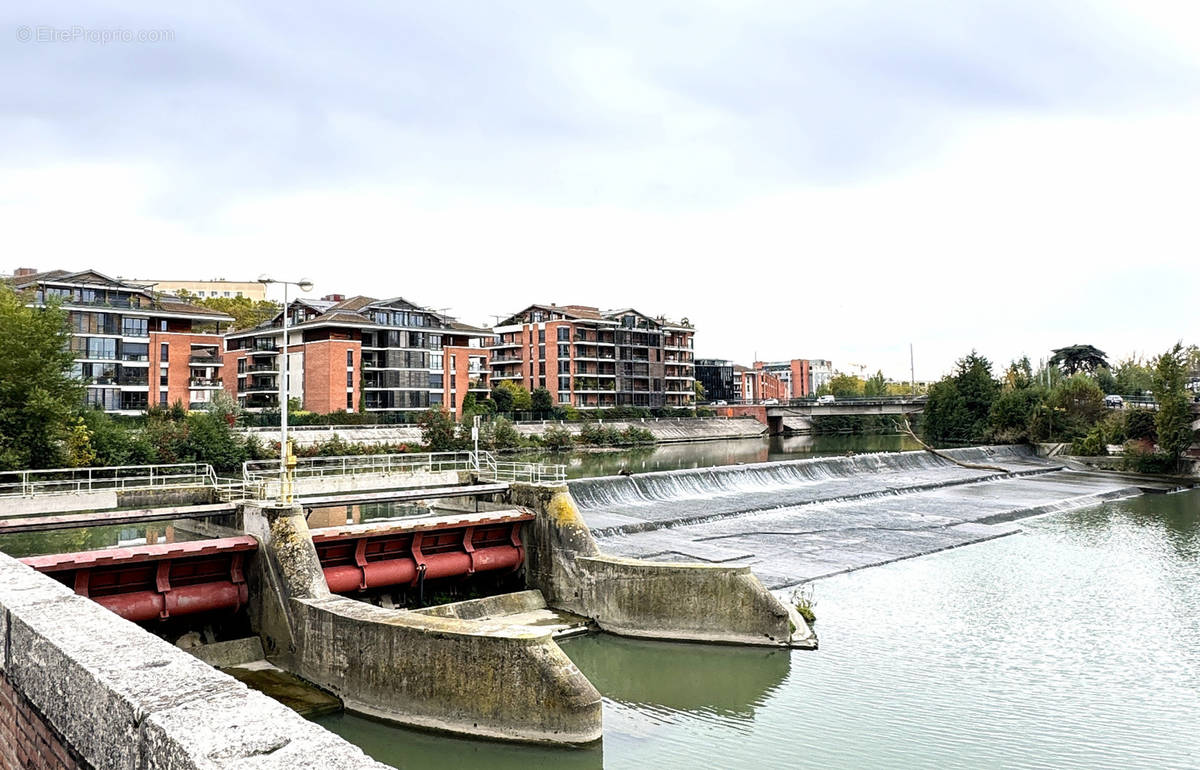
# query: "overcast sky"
(799, 179)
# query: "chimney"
(24, 271)
(333, 298)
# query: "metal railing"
(70, 481)
(356, 465)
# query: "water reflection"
(694, 678)
(19, 545)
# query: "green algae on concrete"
(290, 690)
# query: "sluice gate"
(155, 582)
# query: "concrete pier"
(658, 600)
(478, 677)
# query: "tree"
(845, 386)
(1174, 418)
(1019, 374)
(959, 406)
(510, 397)
(698, 389)
(1079, 358)
(1133, 377)
(437, 430)
(1080, 403)
(80, 453)
(502, 398)
(38, 394)
(875, 386)
(247, 313)
(541, 402)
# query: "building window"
(349, 380)
(134, 327)
(564, 396)
(162, 351)
(564, 351)
(541, 335)
(349, 402)
(239, 294)
(564, 367)
(241, 366)
(349, 358)
(564, 333)
(162, 398)
(226, 294)
(162, 325)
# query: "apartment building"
(716, 375)
(389, 356)
(754, 385)
(134, 347)
(591, 359)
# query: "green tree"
(437, 431)
(959, 406)
(1079, 358)
(845, 386)
(541, 402)
(38, 395)
(1011, 412)
(247, 313)
(1080, 402)
(502, 397)
(875, 386)
(1140, 425)
(1019, 374)
(80, 453)
(1133, 376)
(1106, 380)
(698, 389)
(1174, 417)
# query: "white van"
(826, 399)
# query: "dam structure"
(445, 620)
(796, 521)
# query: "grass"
(802, 600)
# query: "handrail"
(59, 481)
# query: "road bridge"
(797, 414)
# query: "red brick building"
(134, 347)
(593, 359)
(387, 356)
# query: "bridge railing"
(70, 481)
(354, 465)
(261, 477)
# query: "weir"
(343, 606)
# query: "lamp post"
(285, 446)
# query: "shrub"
(557, 437)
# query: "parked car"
(1114, 401)
(770, 402)
(826, 399)
(721, 402)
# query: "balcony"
(201, 359)
(205, 382)
(272, 368)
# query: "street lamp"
(285, 446)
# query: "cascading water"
(692, 494)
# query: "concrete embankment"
(661, 600)
(479, 677)
(664, 431)
(80, 687)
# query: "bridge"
(796, 415)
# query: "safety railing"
(354, 465)
(70, 481)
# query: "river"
(1074, 642)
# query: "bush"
(633, 435)
(1091, 445)
(1139, 425)
(557, 437)
(1140, 458)
(499, 434)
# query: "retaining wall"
(88, 689)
